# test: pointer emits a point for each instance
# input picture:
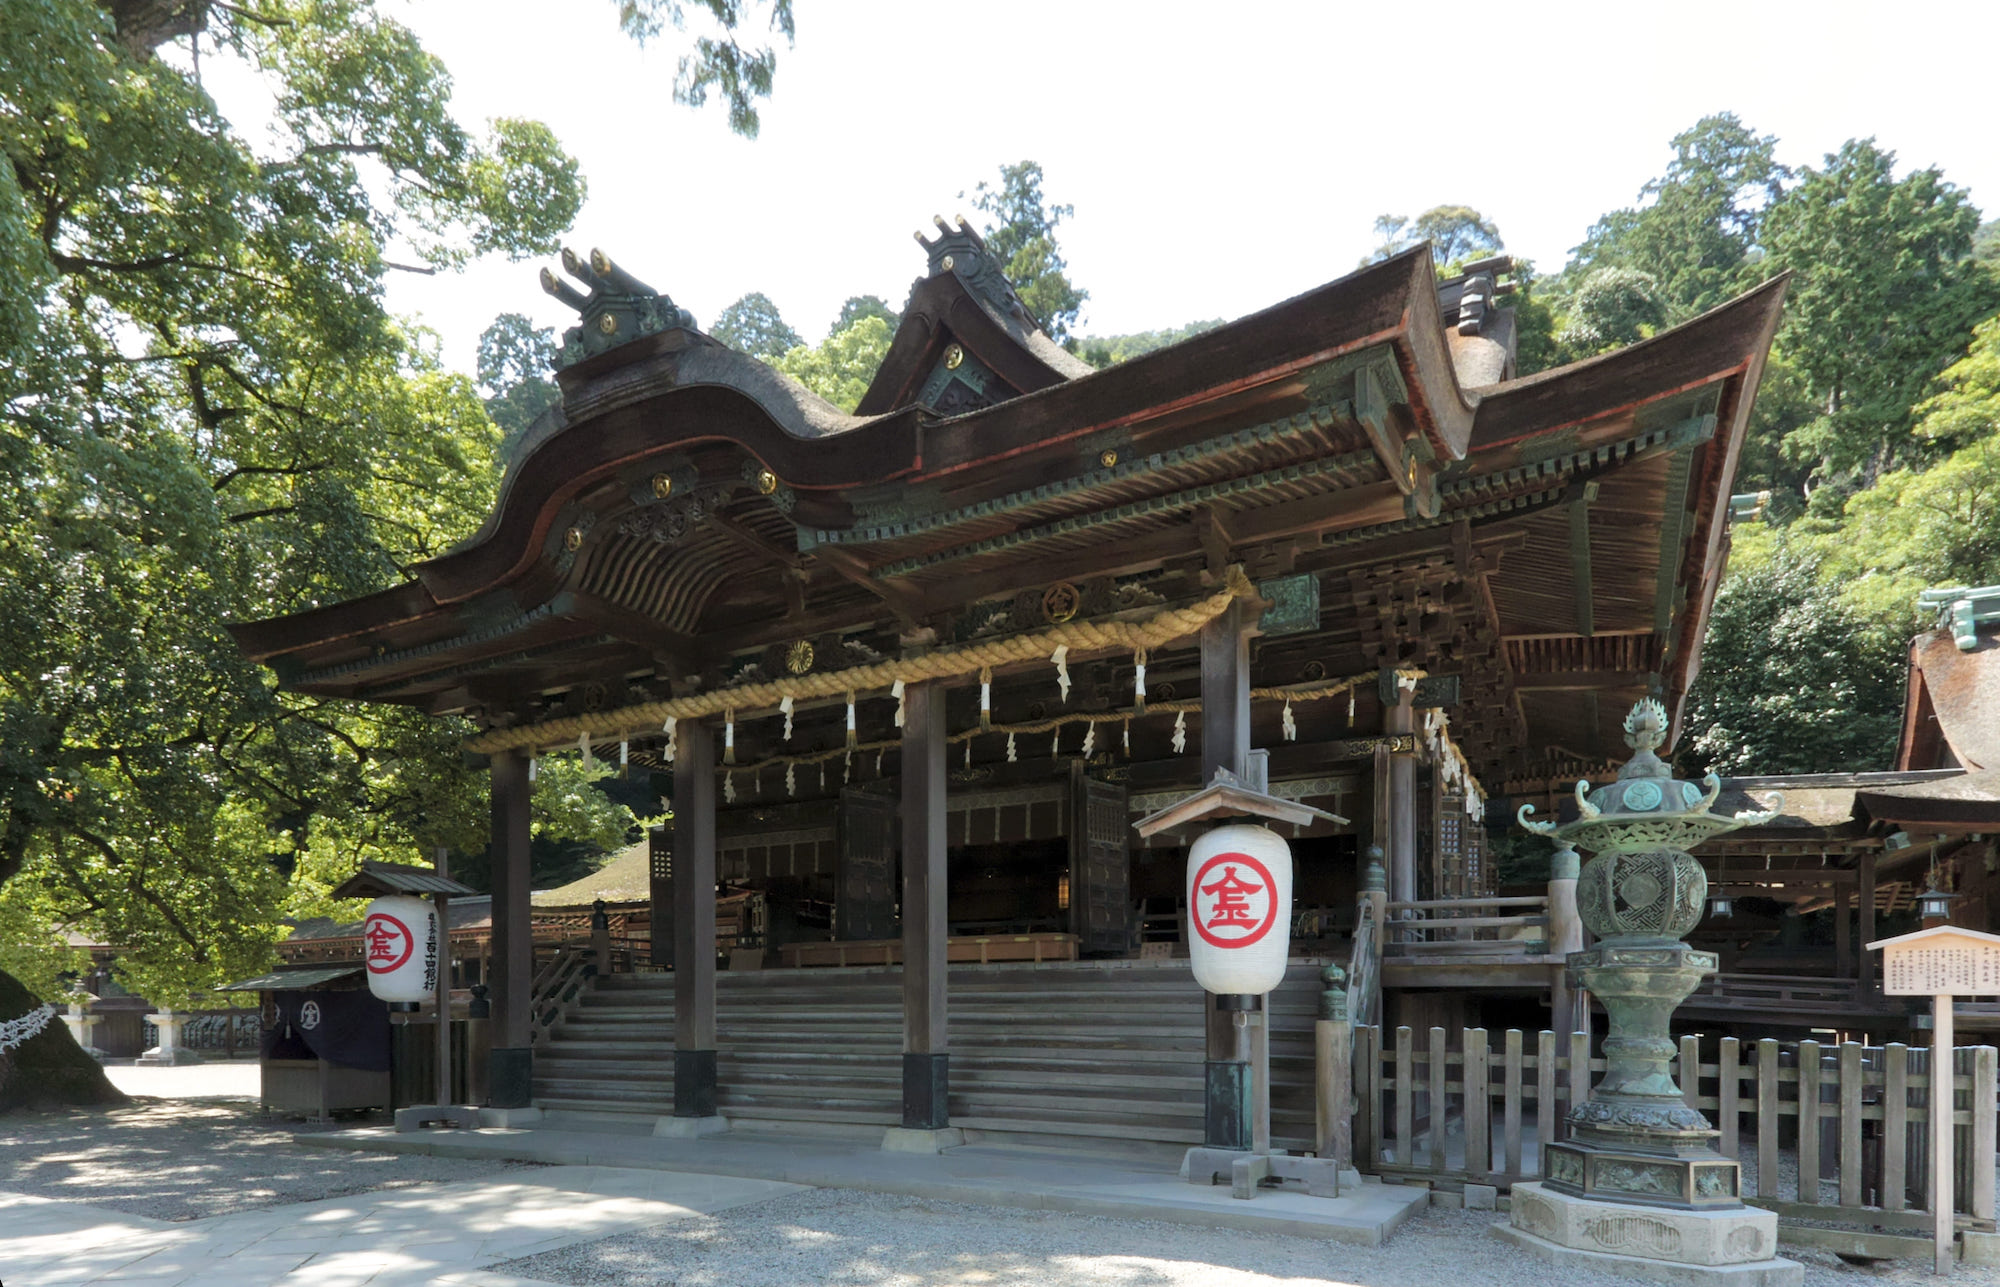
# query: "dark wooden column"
(1866, 965)
(1843, 928)
(926, 1073)
(1225, 692)
(1225, 744)
(694, 920)
(510, 1068)
(1402, 845)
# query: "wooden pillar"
(510, 1066)
(1866, 970)
(1225, 744)
(1843, 940)
(1400, 719)
(926, 1076)
(694, 919)
(1565, 936)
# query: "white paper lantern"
(1239, 899)
(401, 947)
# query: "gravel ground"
(842, 1238)
(185, 1160)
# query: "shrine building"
(910, 675)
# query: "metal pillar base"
(1226, 1104)
(694, 1083)
(926, 1091)
(510, 1076)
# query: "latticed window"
(1451, 829)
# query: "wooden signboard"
(1943, 962)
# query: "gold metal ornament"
(800, 656)
(663, 486)
(948, 261)
(1060, 602)
(608, 324)
(1107, 457)
(954, 356)
(767, 482)
(573, 539)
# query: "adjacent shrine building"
(914, 671)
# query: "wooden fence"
(1424, 1109)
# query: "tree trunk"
(49, 1070)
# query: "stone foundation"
(1736, 1246)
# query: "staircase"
(1050, 1055)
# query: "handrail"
(1364, 985)
(1534, 900)
(558, 987)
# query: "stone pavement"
(1077, 1183)
(438, 1235)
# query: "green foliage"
(1612, 307)
(753, 325)
(207, 416)
(840, 368)
(718, 61)
(1986, 242)
(1792, 679)
(1884, 294)
(1020, 231)
(1534, 321)
(859, 306)
(1456, 234)
(1696, 232)
(1109, 350)
(515, 359)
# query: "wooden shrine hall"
(912, 673)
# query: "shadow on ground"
(178, 1160)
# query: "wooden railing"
(1447, 927)
(558, 986)
(1480, 1112)
(1783, 993)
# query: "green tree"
(719, 61)
(516, 358)
(1020, 231)
(840, 368)
(753, 325)
(1884, 294)
(206, 415)
(1612, 307)
(1793, 678)
(1109, 350)
(859, 306)
(1696, 230)
(1456, 234)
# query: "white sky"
(1221, 157)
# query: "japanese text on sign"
(1949, 968)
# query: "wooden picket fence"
(1424, 1108)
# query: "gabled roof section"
(966, 340)
(1951, 713)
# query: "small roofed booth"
(325, 1043)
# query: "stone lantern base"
(1699, 1180)
(1735, 1247)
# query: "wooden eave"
(1510, 460)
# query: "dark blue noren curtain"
(346, 1028)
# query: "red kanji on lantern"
(389, 943)
(1241, 911)
(1232, 904)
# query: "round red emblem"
(1233, 906)
(387, 941)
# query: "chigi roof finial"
(618, 307)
